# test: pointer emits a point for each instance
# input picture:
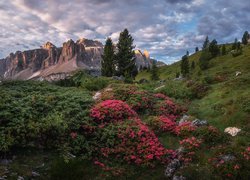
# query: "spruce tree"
(206, 43)
(214, 48)
(107, 62)
(223, 50)
(184, 66)
(154, 72)
(234, 46)
(204, 59)
(193, 65)
(125, 57)
(245, 38)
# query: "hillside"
(88, 127)
(226, 103)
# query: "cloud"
(166, 28)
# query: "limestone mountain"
(49, 61)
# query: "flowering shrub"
(162, 123)
(111, 111)
(191, 143)
(184, 129)
(140, 101)
(134, 143)
(210, 135)
(163, 105)
(226, 169)
(246, 154)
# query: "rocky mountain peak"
(89, 43)
(146, 54)
(48, 45)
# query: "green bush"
(176, 89)
(39, 114)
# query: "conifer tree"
(184, 66)
(154, 72)
(206, 43)
(193, 65)
(223, 50)
(107, 62)
(245, 38)
(234, 46)
(214, 48)
(196, 49)
(125, 57)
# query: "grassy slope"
(227, 102)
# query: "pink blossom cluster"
(191, 143)
(184, 128)
(246, 153)
(111, 110)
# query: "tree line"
(211, 50)
(119, 60)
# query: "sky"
(165, 28)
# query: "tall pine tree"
(107, 62)
(125, 57)
(184, 66)
(214, 48)
(154, 72)
(206, 43)
(223, 50)
(245, 38)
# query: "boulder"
(172, 167)
(233, 131)
(184, 118)
(198, 122)
(179, 178)
(97, 95)
(227, 157)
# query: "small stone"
(20, 178)
(35, 174)
(179, 178)
(198, 122)
(237, 73)
(184, 119)
(227, 157)
(233, 131)
(97, 95)
(172, 167)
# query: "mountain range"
(51, 63)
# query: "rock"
(97, 95)
(237, 73)
(159, 87)
(3, 177)
(233, 131)
(143, 81)
(227, 157)
(119, 78)
(179, 178)
(172, 167)
(184, 119)
(35, 174)
(20, 178)
(198, 122)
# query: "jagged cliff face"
(50, 60)
(143, 59)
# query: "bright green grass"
(227, 101)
